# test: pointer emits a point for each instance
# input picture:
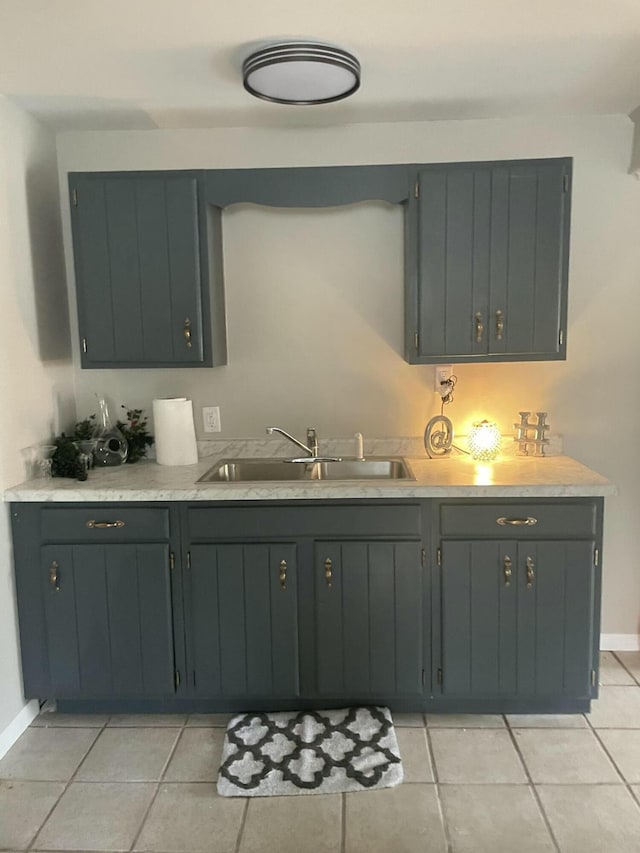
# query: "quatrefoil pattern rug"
(309, 752)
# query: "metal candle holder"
(530, 437)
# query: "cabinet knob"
(479, 328)
(506, 568)
(187, 332)
(530, 566)
(283, 575)
(328, 571)
(54, 578)
(499, 325)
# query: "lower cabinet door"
(108, 620)
(517, 618)
(368, 620)
(243, 616)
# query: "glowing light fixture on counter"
(484, 441)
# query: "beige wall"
(315, 302)
(35, 361)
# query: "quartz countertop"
(451, 477)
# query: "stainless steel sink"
(275, 470)
(364, 469)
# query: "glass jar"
(111, 446)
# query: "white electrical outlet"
(211, 418)
(442, 373)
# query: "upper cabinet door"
(140, 270)
(491, 246)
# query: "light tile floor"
(473, 784)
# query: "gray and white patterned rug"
(309, 752)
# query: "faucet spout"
(311, 450)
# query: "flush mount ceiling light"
(301, 73)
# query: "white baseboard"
(19, 723)
(620, 642)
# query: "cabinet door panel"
(369, 619)
(555, 615)
(110, 624)
(60, 615)
(479, 618)
(492, 246)
(244, 624)
(137, 252)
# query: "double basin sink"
(278, 470)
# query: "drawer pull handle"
(479, 328)
(499, 325)
(187, 332)
(283, 575)
(328, 571)
(54, 577)
(517, 522)
(530, 571)
(104, 525)
(506, 565)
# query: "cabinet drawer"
(208, 523)
(511, 520)
(105, 523)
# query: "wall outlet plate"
(211, 418)
(442, 373)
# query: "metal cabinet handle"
(283, 575)
(499, 325)
(479, 328)
(54, 578)
(506, 567)
(187, 332)
(529, 521)
(328, 571)
(103, 525)
(530, 571)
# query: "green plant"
(85, 429)
(136, 432)
(65, 461)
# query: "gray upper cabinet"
(147, 260)
(487, 259)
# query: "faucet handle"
(312, 441)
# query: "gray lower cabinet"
(99, 601)
(109, 622)
(439, 605)
(368, 619)
(519, 613)
(307, 605)
(242, 629)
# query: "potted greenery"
(134, 429)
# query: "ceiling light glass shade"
(301, 73)
(484, 441)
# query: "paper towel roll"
(174, 431)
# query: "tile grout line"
(626, 784)
(627, 670)
(532, 787)
(243, 823)
(70, 780)
(434, 770)
(158, 783)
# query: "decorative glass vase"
(111, 445)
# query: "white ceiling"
(126, 64)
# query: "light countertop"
(454, 477)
